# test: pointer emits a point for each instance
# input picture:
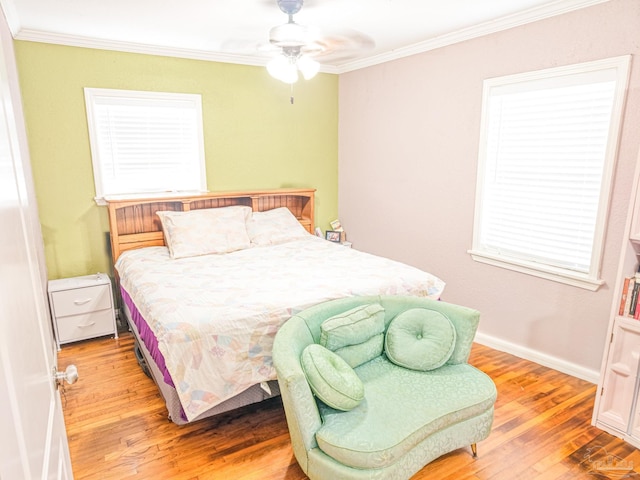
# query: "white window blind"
(145, 141)
(547, 154)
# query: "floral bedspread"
(215, 316)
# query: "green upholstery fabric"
(402, 408)
(321, 466)
(352, 327)
(331, 378)
(356, 334)
(361, 353)
(302, 409)
(420, 339)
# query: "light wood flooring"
(117, 427)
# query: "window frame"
(590, 280)
(164, 98)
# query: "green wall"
(254, 137)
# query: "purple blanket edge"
(147, 336)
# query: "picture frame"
(332, 236)
(336, 226)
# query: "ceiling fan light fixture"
(293, 39)
(283, 68)
(308, 66)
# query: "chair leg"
(474, 450)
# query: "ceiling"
(237, 31)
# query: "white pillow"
(274, 226)
(206, 231)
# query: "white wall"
(408, 146)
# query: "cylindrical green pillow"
(420, 339)
(330, 377)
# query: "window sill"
(537, 270)
(103, 201)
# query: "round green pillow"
(330, 377)
(420, 339)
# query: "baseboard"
(539, 357)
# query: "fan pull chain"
(291, 98)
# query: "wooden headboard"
(134, 224)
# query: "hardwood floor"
(117, 427)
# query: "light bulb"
(308, 66)
(283, 69)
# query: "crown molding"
(504, 23)
(132, 47)
(11, 15)
(552, 9)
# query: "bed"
(207, 280)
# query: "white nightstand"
(82, 307)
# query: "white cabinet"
(82, 308)
(617, 406)
(618, 391)
(617, 409)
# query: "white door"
(33, 442)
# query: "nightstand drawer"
(88, 325)
(81, 300)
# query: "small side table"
(82, 308)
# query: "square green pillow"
(357, 335)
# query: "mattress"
(212, 318)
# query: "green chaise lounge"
(377, 387)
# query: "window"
(547, 153)
(145, 141)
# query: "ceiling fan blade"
(344, 42)
(249, 47)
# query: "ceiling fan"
(298, 45)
